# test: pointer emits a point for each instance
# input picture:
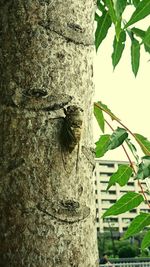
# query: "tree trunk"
(47, 208)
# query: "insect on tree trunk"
(47, 213)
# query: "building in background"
(117, 224)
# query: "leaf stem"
(116, 119)
(131, 163)
(124, 126)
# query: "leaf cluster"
(131, 200)
(110, 13)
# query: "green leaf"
(137, 224)
(130, 33)
(121, 177)
(127, 202)
(100, 6)
(106, 109)
(147, 48)
(99, 117)
(132, 149)
(138, 32)
(120, 7)
(144, 143)
(135, 56)
(136, 2)
(110, 5)
(129, 2)
(102, 145)
(118, 47)
(142, 10)
(103, 25)
(96, 17)
(117, 138)
(146, 241)
(118, 28)
(146, 39)
(144, 168)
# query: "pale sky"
(127, 97)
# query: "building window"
(130, 183)
(108, 174)
(110, 220)
(106, 229)
(112, 192)
(124, 229)
(126, 220)
(97, 210)
(109, 165)
(133, 211)
(112, 201)
(97, 219)
(98, 229)
(114, 228)
(103, 182)
(144, 210)
(96, 201)
(96, 191)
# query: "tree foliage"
(114, 248)
(111, 12)
(130, 200)
(127, 251)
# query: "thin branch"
(132, 165)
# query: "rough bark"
(47, 214)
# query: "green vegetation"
(111, 13)
(118, 248)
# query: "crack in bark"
(75, 27)
(71, 40)
(31, 113)
(37, 101)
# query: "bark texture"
(47, 213)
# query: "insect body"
(72, 127)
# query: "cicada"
(72, 127)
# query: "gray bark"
(47, 213)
